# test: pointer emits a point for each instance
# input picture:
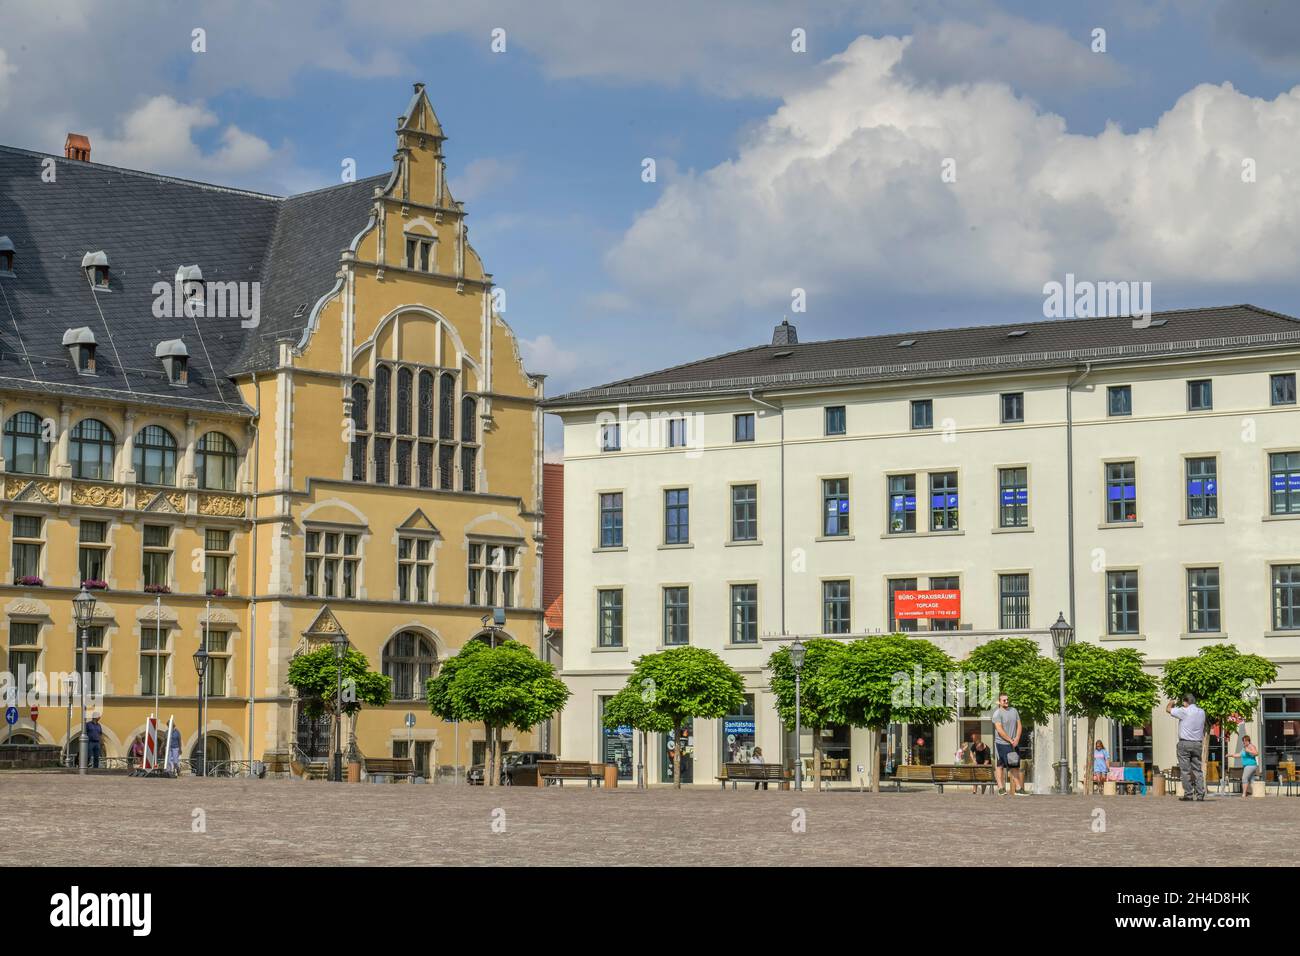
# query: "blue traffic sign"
(11, 715)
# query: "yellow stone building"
(264, 417)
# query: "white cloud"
(6, 71)
(1025, 55)
(545, 356)
(840, 192)
(481, 177)
(160, 133)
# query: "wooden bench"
(942, 775)
(394, 767)
(562, 770)
(764, 773)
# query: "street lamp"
(340, 642)
(1062, 638)
(201, 666)
(83, 609)
(797, 654)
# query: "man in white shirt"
(1191, 730)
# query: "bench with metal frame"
(378, 768)
(558, 771)
(942, 775)
(756, 773)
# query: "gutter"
(780, 410)
(252, 577)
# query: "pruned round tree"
(1110, 683)
(1225, 681)
(502, 686)
(316, 674)
(685, 683)
(631, 707)
(861, 687)
(814, 709)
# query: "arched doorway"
(218, 757)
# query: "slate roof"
(149, 226)
(1045, 344)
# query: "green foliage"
(315, 677)
(686, 682)
(858, 683)
(630, 708)
(1225, 681)
(814, 709)
(502, 686)
(1032, 681)
(1100, 682)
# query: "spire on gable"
(419, 117)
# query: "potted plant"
(31, 581)
(94, 584)
(217, 592)
(157, 589)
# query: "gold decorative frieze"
(173, 501)
(25, 489)
(97, 496)
(221, 506)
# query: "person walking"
(1191, 731)
(1249, 763)
(1006, 733)
(1100, 766)
(94, 741)
(174, 751)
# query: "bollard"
(1108, 788)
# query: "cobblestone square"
(61, 819)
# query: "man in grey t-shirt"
(1191, 729)
(1006, 738)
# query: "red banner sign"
(936, 605)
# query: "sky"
(857, 167)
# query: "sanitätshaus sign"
(936, 605)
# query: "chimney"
(785, 334)
(77, 147)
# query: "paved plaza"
(60, 819)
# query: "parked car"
(514, 761)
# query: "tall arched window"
(155, 456)
(426, 404)
(25, 452)
(383, 382)
(360, 408)
(90, 450)
(468, 419)
(405, 381)
(409, 660)
(216, 461)
(360, 425)
(447, 407)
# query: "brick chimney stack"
(77, 147)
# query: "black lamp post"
(83, 609)
(797, 653)
(340, 643)
(1062, 638)
(201, 667)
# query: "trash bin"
(611, 775)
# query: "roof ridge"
(1017, 325)
(325, 189)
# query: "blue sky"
(776, 170)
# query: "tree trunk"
(490, 761)
(677, 759)
(873, 758)
(640, 765)
(817, 758)
(1092, 744)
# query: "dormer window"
(190, 281)
(80, 344)
(95, 265)
(6, 257)
(175, 358)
